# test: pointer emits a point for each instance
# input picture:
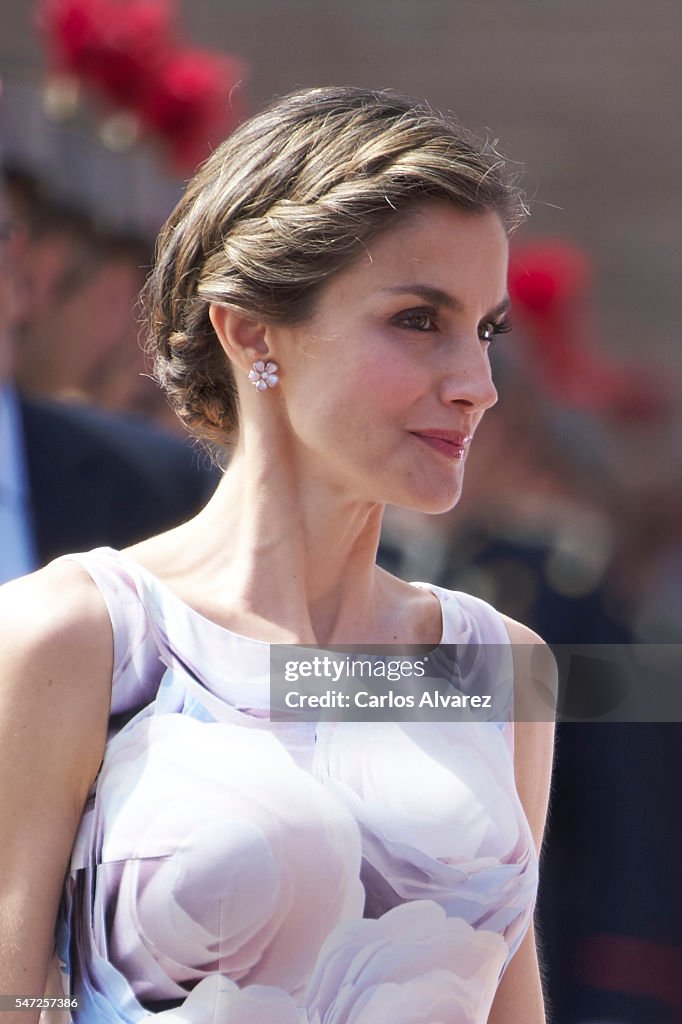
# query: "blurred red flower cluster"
(130, 53)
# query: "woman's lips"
(450, 443)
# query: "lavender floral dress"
(233, 870)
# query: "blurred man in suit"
(72, 478)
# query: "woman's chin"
(432, 503)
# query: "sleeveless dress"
(229, 869)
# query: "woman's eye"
(489, 330)
(417, 320)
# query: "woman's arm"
(55, 674)
(519, 999)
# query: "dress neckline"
(147, 578)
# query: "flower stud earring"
(264, 375)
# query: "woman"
(324, 299)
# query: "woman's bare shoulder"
(520, 634)
(535, 672)
(533, 658)
(57, 609)
(56, 656)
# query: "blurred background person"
(72, 270)
(72, 477)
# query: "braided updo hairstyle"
(289, 199)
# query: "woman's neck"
(282, 550)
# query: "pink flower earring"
(264, 375)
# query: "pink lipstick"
(451, 443)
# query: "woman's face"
(385, 385)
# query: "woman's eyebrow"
(438, 297)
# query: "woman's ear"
(242, 339)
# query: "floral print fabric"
(232, 869)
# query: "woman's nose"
(469, 380)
